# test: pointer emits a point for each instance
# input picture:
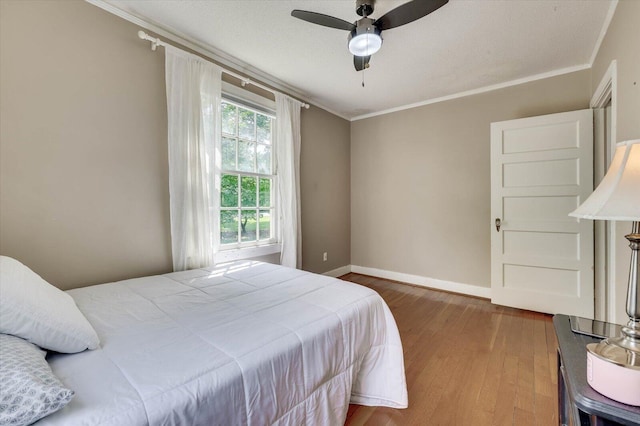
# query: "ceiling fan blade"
(321, 19)
(408, 12)
(361, 62)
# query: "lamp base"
(613, 365)
(613, 369)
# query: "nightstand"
(578, 403)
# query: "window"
(247, 202)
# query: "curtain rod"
(155, 42)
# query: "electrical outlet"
(324, 256)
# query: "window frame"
(240, 249)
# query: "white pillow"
(35, 310)
(29, 388)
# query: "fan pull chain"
(363, 66)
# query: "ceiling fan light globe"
(365, 44)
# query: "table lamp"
(613, 365)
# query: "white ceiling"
(464, 46)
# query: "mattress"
(244, 343)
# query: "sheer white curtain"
(193, 99)
(288, 160)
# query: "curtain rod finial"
(142, 34)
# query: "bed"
(244, 343)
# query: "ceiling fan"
(365, 34)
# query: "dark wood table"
(579, 403)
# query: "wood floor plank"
(552, 345)
(525, 384)
(466, 361)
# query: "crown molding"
(477, 91)
(237, 65)
(210, 52)
(603, 31)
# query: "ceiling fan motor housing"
(365, 39)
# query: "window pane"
(264, 128)
(248, 191)
(264, 158)
(265, 224)
(229, 191)
(228, 118)
(265, 192)
(246, 156)
(228, 226)
(246, 202)
(247, 127)
(228, 153)
(248, 225)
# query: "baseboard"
(338, 272)
(466, 289)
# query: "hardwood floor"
(467, 362)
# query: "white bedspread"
(242, 343)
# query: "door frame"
(605, 288)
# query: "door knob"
(498, 223)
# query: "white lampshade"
(618, 195)
(365, 44)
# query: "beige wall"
(325, 190)
(83, 172)
(420, 180)
(621, 44)
(83, 150)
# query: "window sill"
(246, 253)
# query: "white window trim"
(248, 97)
(228, 255)
(273, 246)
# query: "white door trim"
(607, 90)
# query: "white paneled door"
(542, 169)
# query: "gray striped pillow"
(29, 388)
